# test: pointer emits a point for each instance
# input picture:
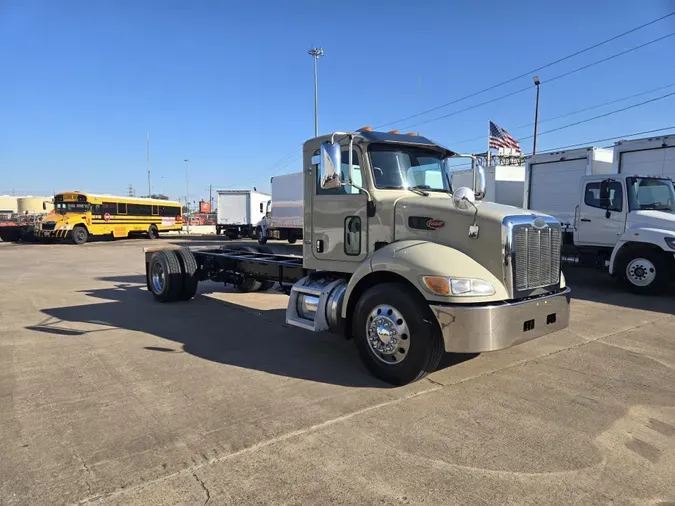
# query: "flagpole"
(488, 147)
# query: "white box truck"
(650, 157)
(616, 220)
(239, 211)
(505, 184)
(284, 217)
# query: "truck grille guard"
(532, 253)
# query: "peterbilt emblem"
(539, 223)
(435, 224)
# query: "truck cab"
(631, 218)
(396, 258)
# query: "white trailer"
(552, 179)
(649, 157)
(504, 184)
(284, 218)
(239, 211)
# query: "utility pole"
(316, 53)
(536, 115)
(148, 157)
(187, 191)
(210, 199)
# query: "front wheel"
(645, 272)
(261, 236)
(79, 235)
(396, 335)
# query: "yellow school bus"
(77, 216)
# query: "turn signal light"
(437, 284)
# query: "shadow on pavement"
(598, 286)
(222, 332)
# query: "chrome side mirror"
(481, 183)
(463, 198)
(330, 166)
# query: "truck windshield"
(397, 166)
(72, 207)
(650, 193)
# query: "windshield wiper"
(419, 189)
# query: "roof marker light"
(365, 129)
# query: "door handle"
(585, 219)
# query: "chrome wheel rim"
(388, 334)
(641, 272)
(158, 277)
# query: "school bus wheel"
(79, 234)
(153, 233)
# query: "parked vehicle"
(652, 157)
(81, 215)
(621, 221)
(19, 227)
(504, 184)
(284, 212)
(395, 258)
(239, 211)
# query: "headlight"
(468, 287)
(670, 241)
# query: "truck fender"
(408, 261)
(644, 235)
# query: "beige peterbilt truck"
(395, 258)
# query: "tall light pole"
(536, 116)
(187, 192)
(148, 160)
(316, 53)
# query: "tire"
(9, 234)
(79, 235)
(292, 240)
(261, 237)
(165, 277)
(153, 233)
(266, 285)
(418, 331)
(645, 272)
(189, 268)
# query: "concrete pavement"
(108, 397)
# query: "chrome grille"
(536, 256)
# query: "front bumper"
(475, 329)
(48, 234)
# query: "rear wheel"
(645, 272)
(292, 240)
(79, 235)
(165, 277)
(396, 335)
(261, 235)
(153, 233)
(189, 268)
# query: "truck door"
(601, 223)
(339, 218)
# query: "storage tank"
(33, 205)
(8, 204)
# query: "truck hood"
(652, 219)
(435, 218)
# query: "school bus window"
(138, 209)
(121, 208)
(96, 209)
(169, 211)
(109, 208)
(155, 210)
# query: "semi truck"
(239, 211)
(611, 216)
(395, 258)
(284, 212)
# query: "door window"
(592, 196)
(352, 235)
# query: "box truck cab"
(633, 218)
(395, 258)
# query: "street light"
(536, 115)
(316, 53)
(187, 191)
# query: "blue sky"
(229, 84)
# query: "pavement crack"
(204, 487)
(87, 471)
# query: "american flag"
(500, 138)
